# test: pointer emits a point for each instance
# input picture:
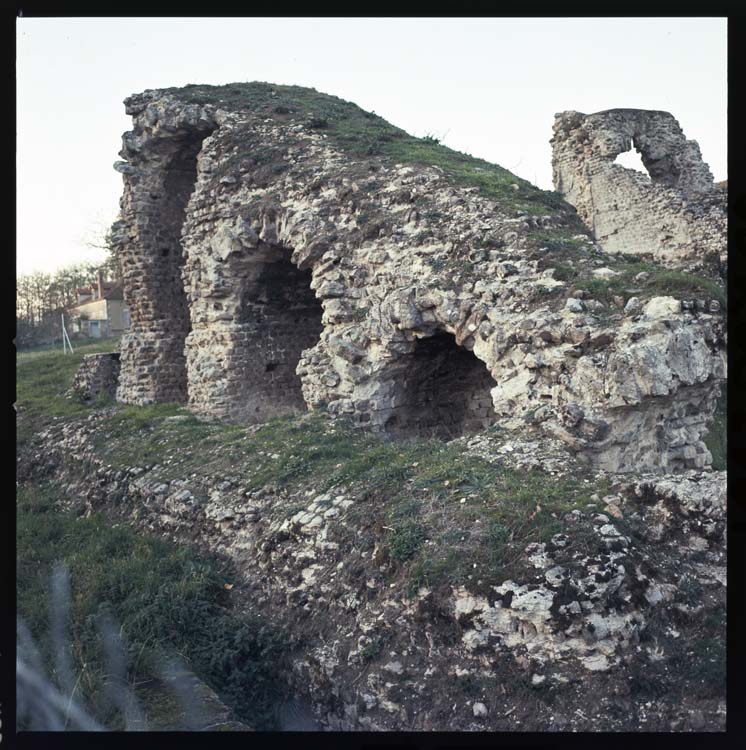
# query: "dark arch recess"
(280, 317)
(443, 391)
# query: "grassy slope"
(413, 491)
(441, 516)
(166, 597)
(364, 134)
(574, 262)
(415, 488)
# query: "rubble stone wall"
(97, 375)
(674, 213)
(160, 174)
(382, 292)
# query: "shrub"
(406, 540)
(167, 597)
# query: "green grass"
(365, 135)
(42, 377)
(168, 599)
(661, 282)
(479, 529)
(406, 540)
(573, 261)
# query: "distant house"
(101, 310)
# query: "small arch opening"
(632, 160)
(443, 391)
(280, 317)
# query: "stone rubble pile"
(380, 656)
(98, 375)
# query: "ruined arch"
(252, 323)
(280, 317)
(641, 153)
(632, 159)
(630, 212)
(440, 390)
(158, 186)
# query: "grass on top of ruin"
(660, 281)
(574, 261)
(366, 135)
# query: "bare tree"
(42, 296)
(100, 238)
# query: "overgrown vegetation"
(365, 134)
(168, 598)
(574, 262)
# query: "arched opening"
(279, 318)
(443, 391)
(632, 160)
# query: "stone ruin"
(269, 271)
(98, 375)
(675, 213)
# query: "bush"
(167, 598)
(406, 540)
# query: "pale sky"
(489, 87)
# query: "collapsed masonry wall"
(384, 293)
(98, 375)
(674, 213)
